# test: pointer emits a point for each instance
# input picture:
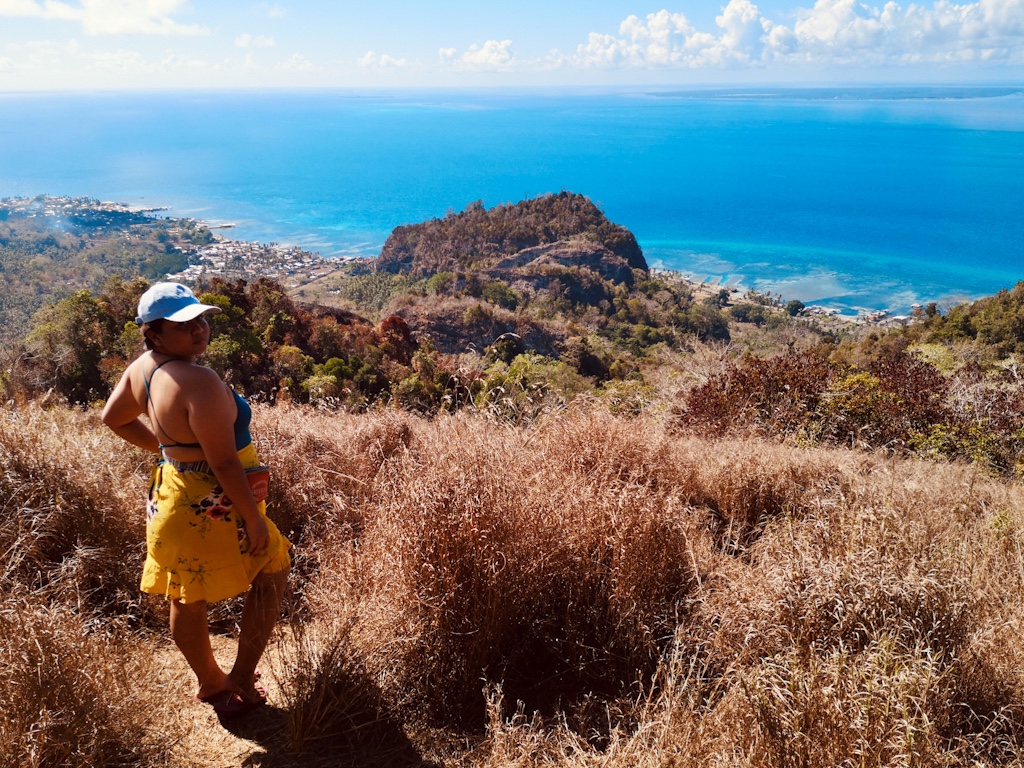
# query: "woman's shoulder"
(140, 367)
(188, 374)
(184, 373)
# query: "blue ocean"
(856, 198)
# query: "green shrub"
(757, 314)
(441, 283)
(499, 292)
(530, 385)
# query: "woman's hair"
(156, 326)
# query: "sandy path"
(260, 738)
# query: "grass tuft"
(73, 691)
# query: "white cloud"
(832, 32)
(128, 62)
(604, 51)
(296, 63)
(44, 56)
(50, 9)
(18, 8)
(272, 10)
(122, 61)
(108, 17)
(848, 31)
(493, 55)
(819, 34)
(1007, 14)
(742, 29)
(127, 17)
(176, 63)
(669, 40)
(371, 61)
(71, 64)
(245, 40)
(655, 41)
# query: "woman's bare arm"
(121, 413)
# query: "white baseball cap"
(170, 301)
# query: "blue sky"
(182, 44)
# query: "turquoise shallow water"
(856, 198)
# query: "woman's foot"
(222, 692)
(249, 687)
(233, 699)
(214, 686)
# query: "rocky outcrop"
(563, 230)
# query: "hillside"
(51, 247)
(555, 284)
(586, 590)
(537, 328)
(549, 273)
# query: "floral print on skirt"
(196, 545)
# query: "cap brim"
(185, 314)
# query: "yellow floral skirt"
(196, 545)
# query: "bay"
(859, 198)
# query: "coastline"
(738, 293)
(226, 257)
(887, 286)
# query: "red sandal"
(229, 704)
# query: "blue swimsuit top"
(241, 426)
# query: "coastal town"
(75, 211)
(204, 253)
(289, 265)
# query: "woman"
(207, 537)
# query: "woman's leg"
(191, 633)
(259, 615)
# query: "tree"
(67, 345)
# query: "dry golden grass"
(72, 690)
(70, 521)
(590, 590)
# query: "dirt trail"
(258, 739)
(261, 738)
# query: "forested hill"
(479, 239)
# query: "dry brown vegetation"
(588, 590)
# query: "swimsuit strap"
(149, 399)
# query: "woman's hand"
(258, 534)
